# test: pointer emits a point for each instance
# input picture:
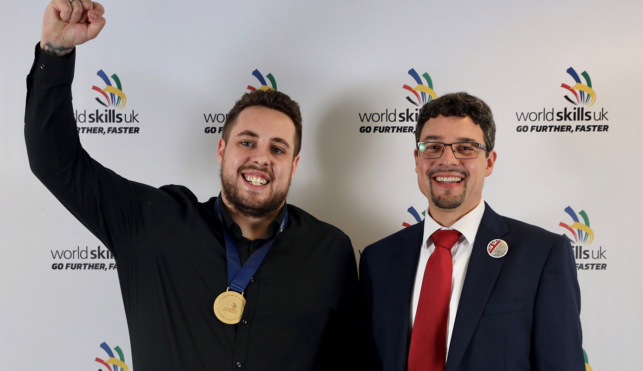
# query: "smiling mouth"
(447, 179)
(255, 180)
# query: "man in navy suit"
(468, 289)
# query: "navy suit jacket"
(518, 312)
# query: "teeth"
(450, 179)
(255, 181)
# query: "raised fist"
(70, 23)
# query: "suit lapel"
(404, 276)
(481, 276)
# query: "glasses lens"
(431, 150)
(465, 150)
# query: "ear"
(295, 162)
(415, 154)
(490, 162)
(220, 150)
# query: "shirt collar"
(467, 225)
(235, 231)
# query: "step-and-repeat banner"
(563, 80)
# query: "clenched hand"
(67, 24)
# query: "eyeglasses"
(464, 150)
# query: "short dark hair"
(461, 105)
(270, 99)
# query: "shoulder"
(305, 225)
(181, 202)
(534, 243)
(517, 230)
(301, 219)
(531, 232)
(389, 246)
(180, 193)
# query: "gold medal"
(229, 307)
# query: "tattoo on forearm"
(58, 51)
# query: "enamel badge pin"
(497, 248)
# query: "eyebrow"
(437, 137)
(250, 133)
(281, 141)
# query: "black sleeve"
(341, 347)
(371, 360)
(117, 211)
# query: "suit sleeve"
(557, 335)
(115, 210)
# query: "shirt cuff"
(49, 69)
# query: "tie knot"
(445, 238)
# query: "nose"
(261, 156)
(448, 157)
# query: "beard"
(248, 206)
(448, 201)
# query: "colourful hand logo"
(415, 215)
(116, 96)
(264, 86)
(119, 364)
(426, 92)
(585, 95)
(585, 233)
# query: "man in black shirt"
(174, 254)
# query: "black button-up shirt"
(245, 246)
(171, 259)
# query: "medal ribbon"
(239, 277)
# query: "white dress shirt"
(461, 253)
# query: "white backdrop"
(179, 61)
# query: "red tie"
(428, 350)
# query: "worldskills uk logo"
(111, 97)
(116, 97)
(262, 80)
(581, 235)
(583, 93)
(411, 210)
(423, 93)
(403, 121)
(581, 232)
(218, 119)
(111, 362)
(578, 118)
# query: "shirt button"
(239, 364)
(42, 66)
(245, 321)
(252, 279)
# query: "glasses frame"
(445, 145)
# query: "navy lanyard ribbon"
(239, 277)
